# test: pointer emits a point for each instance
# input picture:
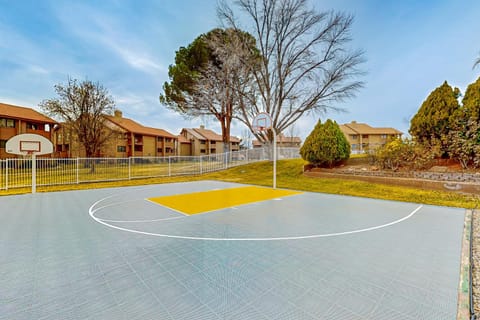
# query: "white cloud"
(102, 30)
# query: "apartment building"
(127, 138)
(362, 137)
(142, 141)
(16, 120)
(201, 141)
(282, 141)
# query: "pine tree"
(471, 101)
(435, 118)
(326, 145)
(464, 139)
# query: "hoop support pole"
(34, 173)
(274, 159)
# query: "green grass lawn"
(290, 176)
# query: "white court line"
(92, 211)
(139, 221)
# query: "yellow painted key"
(199, 202)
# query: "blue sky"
(411, 47)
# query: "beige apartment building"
(201, 141)
(363, 138)
(128, 138)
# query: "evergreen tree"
(464, 139)
(326, 145)
(435, 118)
(471, 101)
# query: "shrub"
(326, 145)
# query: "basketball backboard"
(262, 122)
(29, 144)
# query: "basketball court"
(215, 250)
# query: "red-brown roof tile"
(363, 128)
(135, 127)
(23, 113)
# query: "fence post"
(169, 166)
(129, 168)
(6, 175)
(201, 165)
(78, 169)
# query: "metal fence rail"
(17, 172)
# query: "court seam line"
(92, 215)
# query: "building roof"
(207, 134)
(363, 128)
(135, 127)
(281, 138)
(347, 130)
(23, 113)
(161, 132)
(194, 133)
(182, 139)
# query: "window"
(168, 140)
(354, 146)
(2, 143)
(354, 136)
(168, 150)
(7, 123)
(202, 141)
(383, 136)
(213, 142)
(159, 150)
(212, 150)
(121, 149)
(202, 150)
(364, 136)
(139, 148)
(32, 126)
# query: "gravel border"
(476, 261)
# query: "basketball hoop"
(258, 129)
(261, 123)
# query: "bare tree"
(82, 106)
(477, 62)
(306, 65)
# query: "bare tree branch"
(82, 106)
(306, 64)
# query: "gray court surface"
(111, 254)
